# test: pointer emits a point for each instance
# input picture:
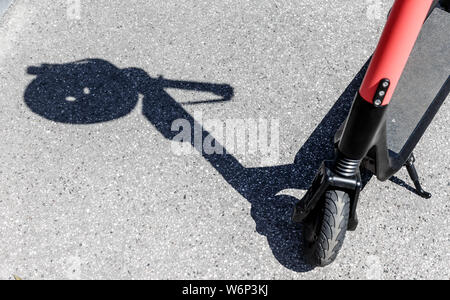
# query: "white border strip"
(4, 4)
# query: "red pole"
(395, 46)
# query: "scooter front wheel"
(324, 230)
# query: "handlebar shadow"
(94, 90)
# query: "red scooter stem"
(394, 48)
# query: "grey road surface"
(91, 186)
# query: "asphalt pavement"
(92, 186)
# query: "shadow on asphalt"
(94, 90)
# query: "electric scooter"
(405, 85)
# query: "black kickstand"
(415, 177)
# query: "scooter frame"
(362, 140)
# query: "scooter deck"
(423, 87)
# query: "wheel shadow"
(94, 90)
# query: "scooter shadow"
(94, 90)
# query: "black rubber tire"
(325, 229)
